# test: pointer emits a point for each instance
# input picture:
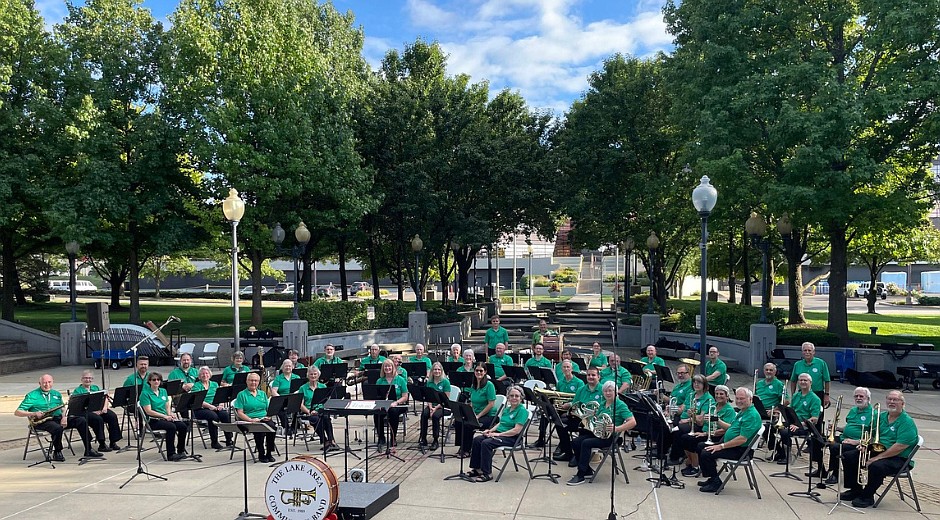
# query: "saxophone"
(48, 414)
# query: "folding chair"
(158, 436)
(185, 348)
(904, 472)
(746, 461)
(517, 447)
(210, 352)
(44, 447)
(619, 466)
(447, 427)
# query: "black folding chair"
(746, 461)
(905, 473)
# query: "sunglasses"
(480, 371)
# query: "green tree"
(159, 267)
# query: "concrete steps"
(582, 328)
(14, 357)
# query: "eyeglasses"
(682, 373)
(480, 371)
(152, 380)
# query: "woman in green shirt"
(398, 394)
(503, 433)
(483, 402)
(692, 410)
(311, 412)
(719, 423)
(228, 374)
(209, 412)
(455, 356)
(598, 358)
(281, 386)
(622, 420)
(251, 405)
(156, 406)
(435, 412)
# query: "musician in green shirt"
(565, 356)
(680, 392)
(736, 440)
(420, 357)
(807, 407)
(859, 418)
(455, 355)
(251, 405)
(329, 357)
(716, 371)
(651, 359)
(375, 357)
(434, 412)
(499, 360)
(294, 357)
(483, 402)
(622, 420)
(156, 406)
(139, 377)
(538, 358)
(186, 372)
(598, 358)
(711, 426)
(237, 366)
(770, 389)
(616, 373)
(494, 335)
(212, 414)
(38, 406)
(542, 332)
(503, 433)
(816, 368)
(97, 419)
(310, 412)
(398, 394)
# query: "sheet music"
(361, 405)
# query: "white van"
(82, 286)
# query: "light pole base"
(649, 329)
(71, 342)
(295, 336)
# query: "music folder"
(174, 387)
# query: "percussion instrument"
(304, 487)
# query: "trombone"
(867, 445)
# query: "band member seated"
(897, 433)
(313, 413)
(715, 370)
(398, 393)
(435, 412)
(691, 414)
(238, 366)
(590, 392)
(569, 384)
(740, 433)
(538, 359)
(329, 357)
(294, 357)
(769, 389)
(598, 358)
(251, 405)
(718, 424)
(622, 420)
(43, 399)
(420, 357)
(483, 402)
(499, 360)
(650, 360)
(469, 360)
(565, 356)
(683, 387)
(858, 419)
(400, 370)
(455, 355)
(139, 377)
(186, 372)
(281, 386)
(374, 357)
(156, 406)
(503, 433)
(807, 407)
(616, 373)
(209, 412)
(97, 419)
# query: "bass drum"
(303, 488)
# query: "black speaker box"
(99, 319)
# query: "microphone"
(174, 318)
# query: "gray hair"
(747, 391)
(609, 384)
(863, 389)
(724, 389)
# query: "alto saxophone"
(46, 415)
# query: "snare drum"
(303, 488)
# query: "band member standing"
(598, 358)
(139, 377)
(858, 419)
(622, 421)
(97, 419)
(398, 393)
(817, 369)
(538, 358)
(483, 402)
(209, 412)
(495, 334)
(616, 373)
(503, 433)
(715, 371)
(251, 405)
(156, 405)
(708, 429)
(35, 405)
(898, 433)
(807, 407)
(238, 366)
(743, 428)
(313, 413)
(435, 412)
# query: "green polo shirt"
(187, 376)
(681, 392)
(325, 361)
(856, 420)
(403, 372)
(700, 403)
(538, 335)
(499, 362)
(649, 363)
(746, 423)
(569, 386)
(400, 384)
(621, 376)
(254, 406)
(480, 397)
(769, 393)
(901, 431)
(718, 366)
(619, 412)
(135, 379)
(282, 383)
(79, 390)
(511, 417)
(228, 374)
(39, 401)
(492, 337)
(452, 359)
(426, 360)
(441, 386)
(210, 390)
(598, 360)
(298, 364)
(725, 414)
(806, 406)
(559, 374)
(158, 401)
(371, 360)
(543, 362)
(307, 392)
(818, 370)
(585, 394)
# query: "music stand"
(342, 404)
(246, 428)
(125, 396)
(320, 397)
(491, 371)
(333, 371)
(287, 404)
(82, 404)
(383, 402)
(451, 366)
(460, 379)
(422, 394)
(839, 501)
(372, 375)
(223, 395)
(516, 373)
(173, 388)
(814, 436)
(444, 400)
(416, 370)
(664, 374)
(463, 417)
(217, 378)
(545, 375)
(295, 384)
(550, 414)
(240, 381)
(192, 401)
(789, 414)
(657, 420)
(301, 373)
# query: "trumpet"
(711, 425)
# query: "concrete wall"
(355, 339)
(36, 341)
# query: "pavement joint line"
(76, 490)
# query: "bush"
(537, 281)
(895, 290)
(565, 275)
(391, 314)
(851, 289)
(724, 319)
(326, 317)
(797, 334)
(611, 278)
(928, 300)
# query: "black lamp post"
(71, 248)
(302, 235)
(416, 246)
(628, 246)
(704, 198)
(756, 228)
(652, 243)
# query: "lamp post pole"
(628, 245)
(71, 248)
(704, 197)
(233, 208)
(529, 278)
(416, 246)
(756, 228)
(652, 243)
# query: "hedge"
(726, 320)
(797, 334)
(329, 317)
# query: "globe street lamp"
(704, 197)
(233, 208)
(652, 243)
(71, 248)
(416, 246)
(302, 235)
(628, 246)
(756, 228)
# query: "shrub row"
(724, 319)
(328, 317)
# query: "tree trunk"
(341, 247)
(134, 275)
(746, 283)
(157, 269)
(401, 275)
(9, 276)
(838, 275)
(373, 266)
(464, 261)
(795, 291)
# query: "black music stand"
(217, 378)
(301, 373)
(223, 395)
(545, 375)
(320, 397)
(383, 402)
(416, 370)
(173, 388)
(124, 397)
(549, 413)
(839, 501)
(451, 366)
(192, 401)
(444, 400)
(789, 414)
(246, 428)
(491, 372)
(422, 394)
(460, 379)
(287, 404)
(330, 372)
(515, 372)
(341, 406)
(814, 436)
(83, 404)
(657, 420)
(463, 416)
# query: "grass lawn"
(198, 320)
(892, 328)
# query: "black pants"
(394, 417)
(465, 433)
(877, 472)
(481, 453)
(675, 440)
(583, 445)
(815, 449)
(96, 423)
(174, 430)
(322, 425)
(212, 417)
(708, 461)
(55, 430)
(834, 453)
(435, 419)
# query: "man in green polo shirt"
(139, 377)
(683, 387)
(737, 437)
(375, 357)
(716, 372)
(616, 373)
(186, 372)
(651, 359)
(769, 389)
(567, 384)
(816, 368)
(591, 392)
(38, 404)
(494, 335)
(858, 419)
(898, 434)
(807, 407)
(542, 332)
(499, 360)
(538, 359)
(421, 357)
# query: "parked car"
(247, 290)
(81, 286)
(326, 291)
(284, 288)
(358, 287)
(880, 290)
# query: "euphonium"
(556, 398)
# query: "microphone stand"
(138, 413)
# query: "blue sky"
(544, 49)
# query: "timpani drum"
(304, 487)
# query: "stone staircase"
(581, 328)
(15, 357)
